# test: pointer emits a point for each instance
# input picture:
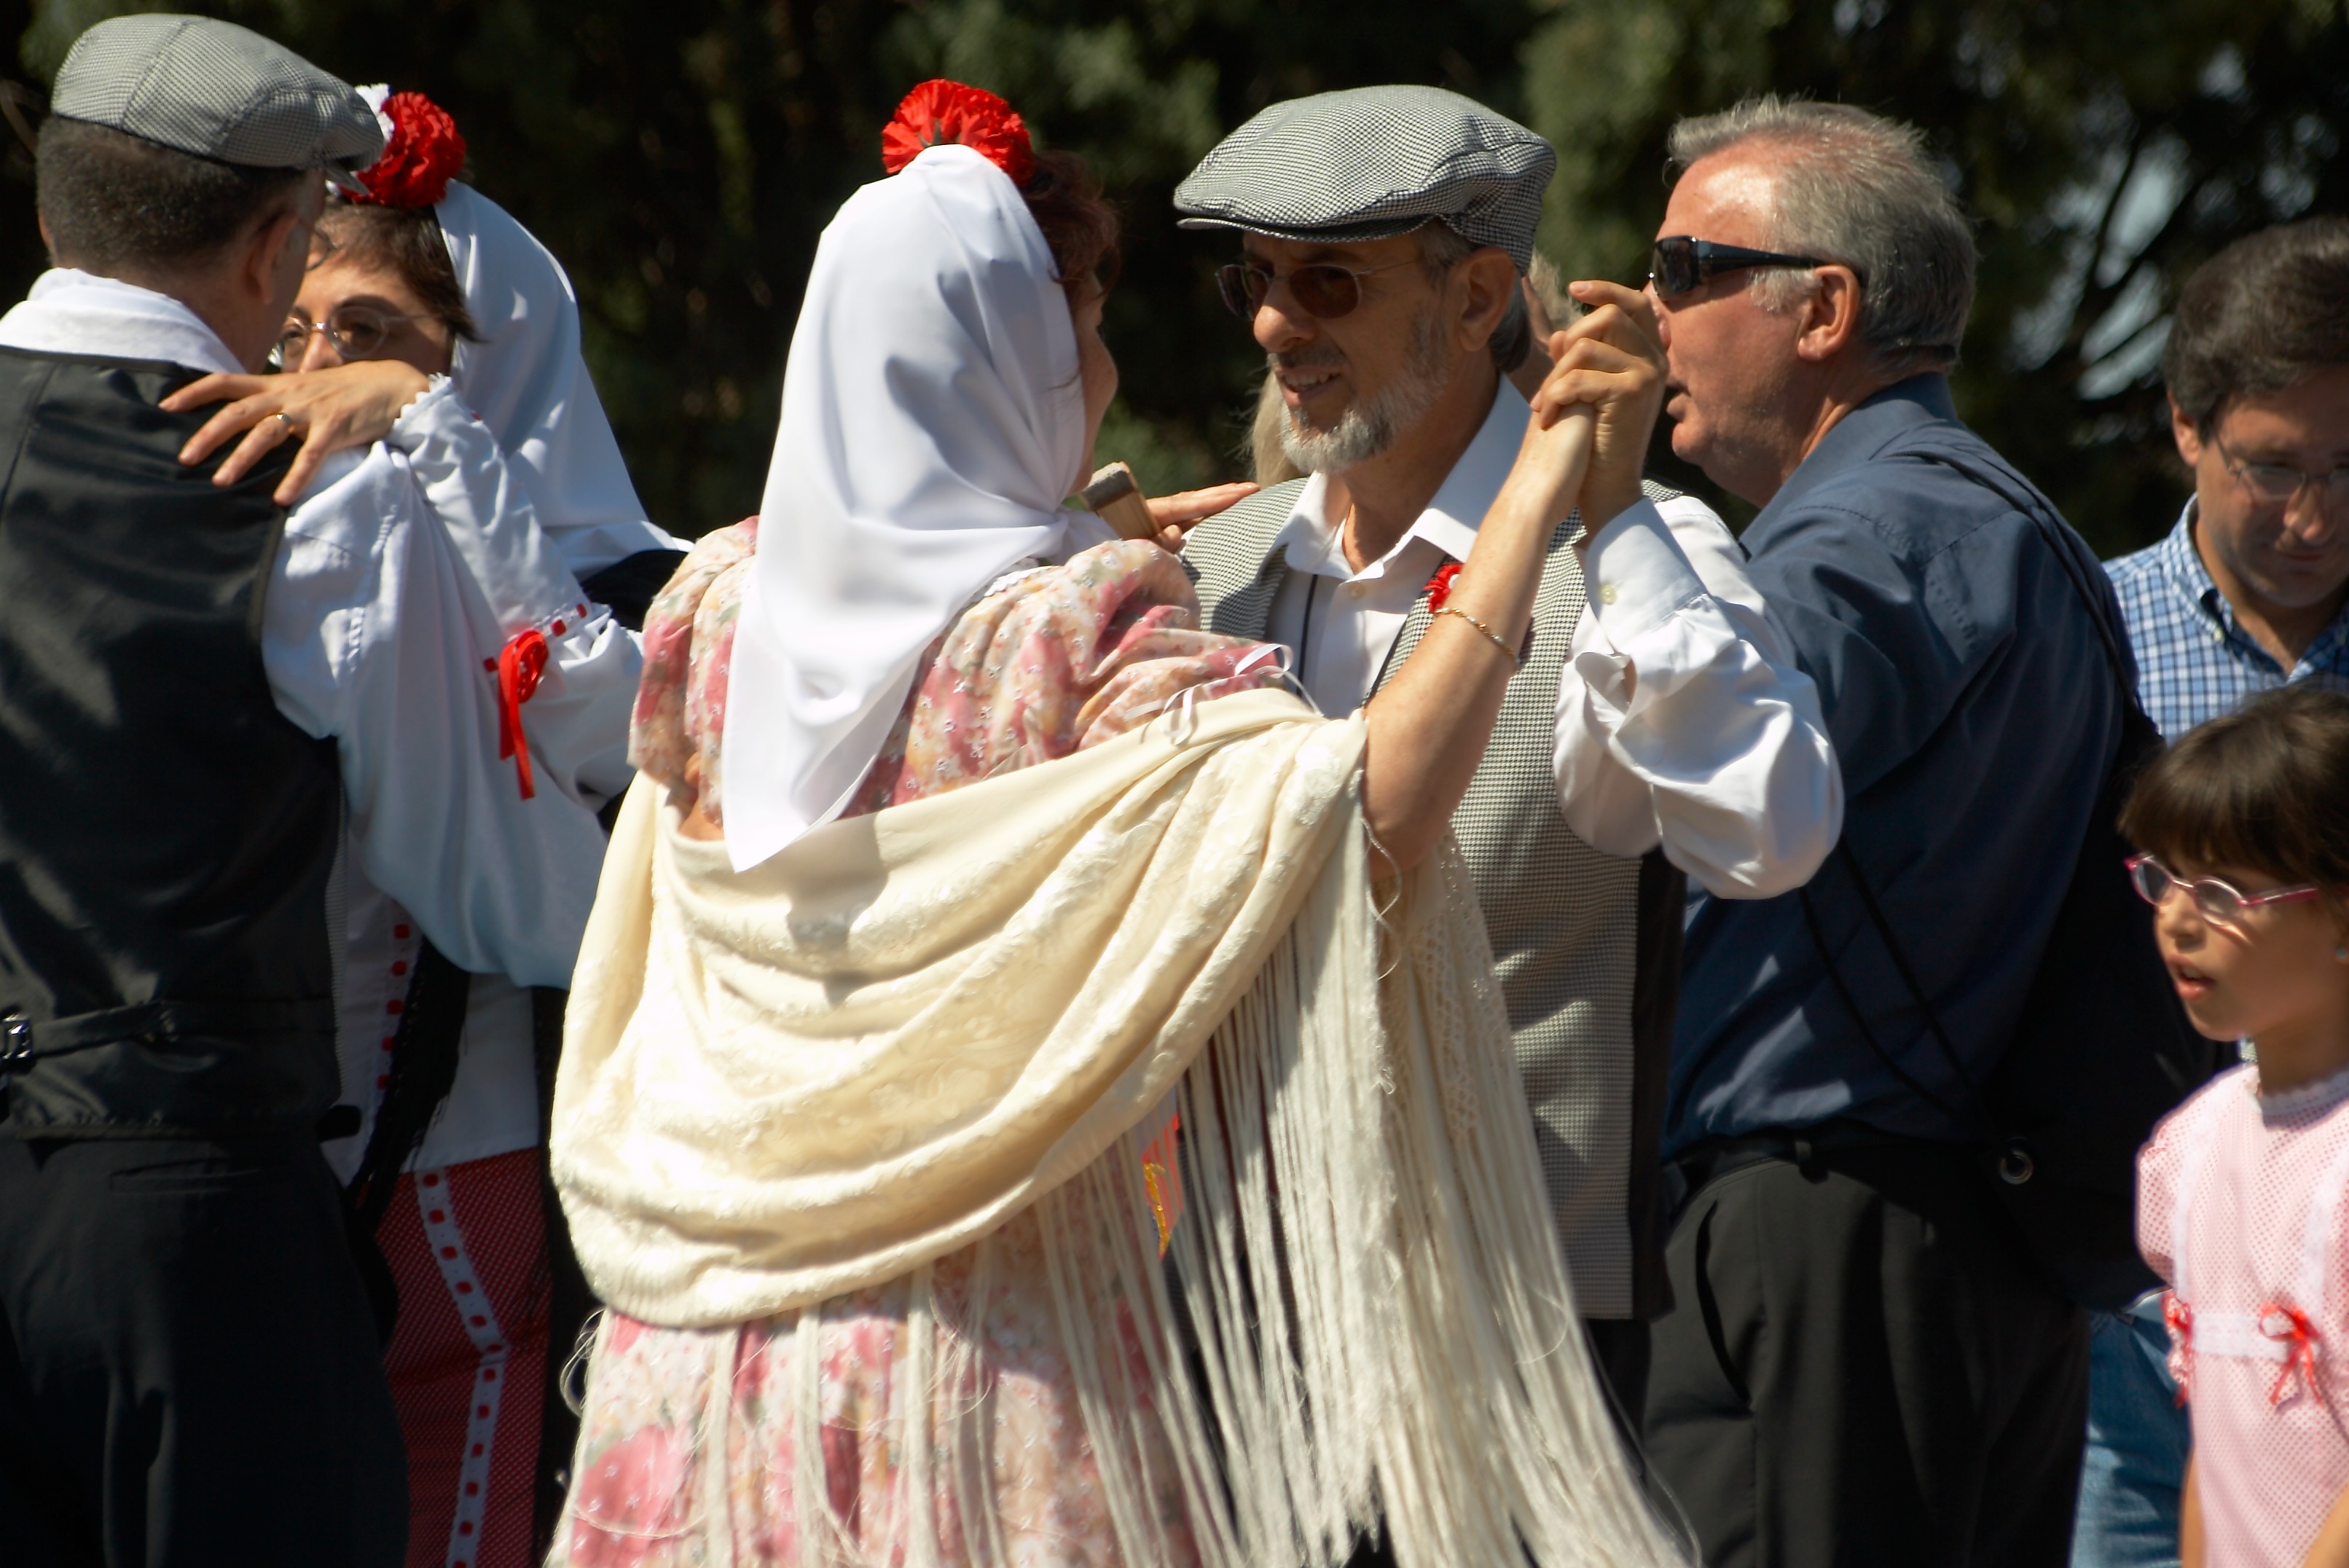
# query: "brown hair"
(2265, 788)
(406, 242)
(1079, 224)
(2263, 314)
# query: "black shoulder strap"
(2037, 513)
(630, 584)
(423, 1069)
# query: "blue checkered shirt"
(2194, 661)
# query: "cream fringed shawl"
(784, 1086)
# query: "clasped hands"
(1606, 368)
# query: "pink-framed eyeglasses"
(2217, 901)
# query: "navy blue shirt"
(1975, 714)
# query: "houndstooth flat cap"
(219, 91)
(1370, 162)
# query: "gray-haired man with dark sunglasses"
(1864, 1364)
(1658, 729)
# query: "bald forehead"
(1727, 196)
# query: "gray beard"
(1369, 426)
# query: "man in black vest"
(188, 1369)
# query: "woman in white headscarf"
(431, 287)
(973, 869)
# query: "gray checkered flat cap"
(1370, 162)
(219, 91)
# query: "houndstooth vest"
(1587, 945)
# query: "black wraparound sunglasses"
(1680, 263)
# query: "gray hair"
(1861, 190)
(1440, 248)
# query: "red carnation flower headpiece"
(940, 113)
(422, 154)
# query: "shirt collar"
(2183, 564)
(2182, 561)
(1862, 433)
(1452, 516)
(73, 312)
(2306, 1100)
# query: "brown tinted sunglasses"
(1323, 290)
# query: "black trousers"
(189, 1370)
(1861, 1368)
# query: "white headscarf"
(933, 421)
(527, 380)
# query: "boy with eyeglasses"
(2248, 593)
(2250, 590)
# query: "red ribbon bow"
(520, 664)
(2181, 1319)
(2291, 1325)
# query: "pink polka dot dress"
(2239, 1208)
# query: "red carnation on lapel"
(422, 155)
(940, 113)
(1438, 586)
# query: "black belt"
(1814, 1150)
(24, 1041)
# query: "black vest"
(167, 837)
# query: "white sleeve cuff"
(427, 415)
(1636, 576)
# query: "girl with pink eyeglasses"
(2239, 1202)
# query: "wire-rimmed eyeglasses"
(2213, 899)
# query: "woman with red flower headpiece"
(1005, 1125)
(433, 323)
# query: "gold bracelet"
(1494, 638)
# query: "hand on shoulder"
(347, 406)
(1178, 514)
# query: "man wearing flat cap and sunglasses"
(1655, 727)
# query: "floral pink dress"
(1049, 661)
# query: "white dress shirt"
(1683, 719)
(403, 570)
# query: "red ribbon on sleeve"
(520, 664)
(2181, 1319)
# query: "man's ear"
(1830, 316)
(2182, 431)
(1485, 283)
(264, 244)
(48, 242)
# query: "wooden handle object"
(1116, 500)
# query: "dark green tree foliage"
(682, 158)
